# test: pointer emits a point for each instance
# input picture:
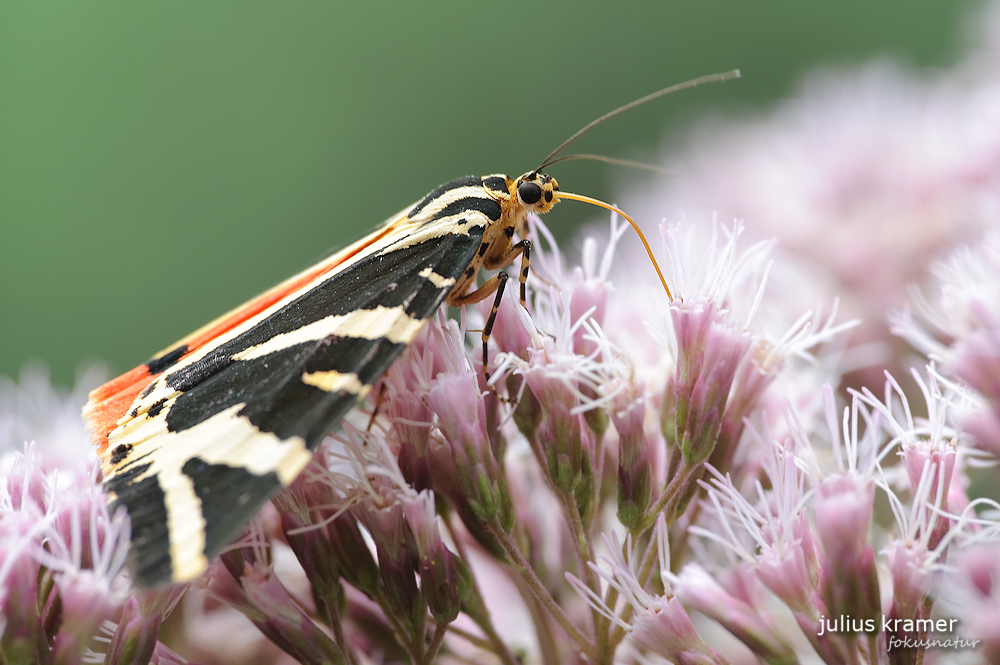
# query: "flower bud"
(709, 351)
(441, 579)
(528, 414)
(390, 533)
(849, 580)
(977, 362)
(938, 462)
(587, 295)
(509, 332)
(134, 640)
(791, 571)
(410, 427)
(354, 560)
(634, 469)
(558, 443)
(700, 591)
(750, 384)
(284, 623)
(22, 632)
(85, 603)
(456, 401)
(310, 544)
(911, 580)
(668, 632)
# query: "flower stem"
(585, 552)
(483, 619)
(434, 644)
(538, 590)
(676, 491)
(330, 613)
(402, 635)
(643, 574)
(547, 647)
(474, 640)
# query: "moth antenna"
(710, 78)
(645, 166)
(608, 206)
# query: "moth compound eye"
(529, 192)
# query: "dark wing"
(207, 442)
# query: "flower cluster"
(707, 479)
(64, 597)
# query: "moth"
(194, 441)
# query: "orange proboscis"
(608, 206)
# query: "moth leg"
(482, 293)
(378, 405)
(497, 285)
(493, 285)
(488, 328)
(523, 249)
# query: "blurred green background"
(161, 162)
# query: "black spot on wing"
(157, 406)
(496, 183)
(157, 365)
(147, 509)
(229, 496)
(120, 453)
(467, 181)
(123, 480)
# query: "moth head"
(537, 191)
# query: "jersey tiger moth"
(193, 442)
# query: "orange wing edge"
(109, 403)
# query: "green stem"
(538, 590)
(402, 635)
(585, 553)
(434, 644)
(331, 614)
(673, 494)
(485, 622)
(483, 644)
(547, 647)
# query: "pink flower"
(959, 328)
(709, 353)
(699, 590)
(660, 623)
(453, 517)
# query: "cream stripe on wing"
(445, 226)
(332, 381)
(225, 438)
(391, 323)
(437, 280)
(185, 525)
(402, 228)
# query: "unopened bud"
(709, 352)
